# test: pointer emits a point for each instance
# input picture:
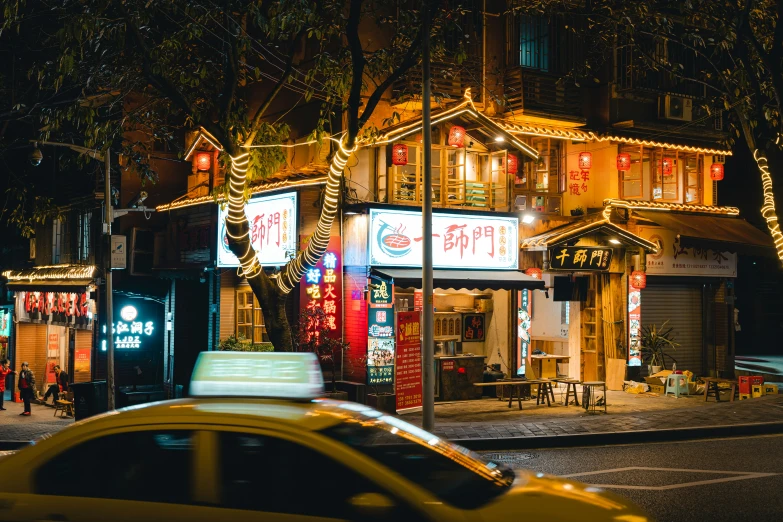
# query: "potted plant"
(312, 334)
(240, 343)
(578, 211)
(655, 340)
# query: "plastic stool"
(677, 383)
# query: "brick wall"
(355, 323)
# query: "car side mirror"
(372, 505)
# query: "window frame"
(257, 323)
(654, 155)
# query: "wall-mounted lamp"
(528, 218)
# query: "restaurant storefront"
(54, 314)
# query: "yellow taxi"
(283, 456)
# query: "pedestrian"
(26, 386)
(60, 385)
(4, 372)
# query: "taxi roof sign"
(278, 375)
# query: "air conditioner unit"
(677, 108)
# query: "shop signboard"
(580, 258)
(473, 328)
(634, 326)
(133, 330)
(322, 288)
(407, 368)
(380, 330)
(673, 259)
(71, 309)
(118, 252)
(272, 221)
(523, 331)
(458, 241)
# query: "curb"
(621, 437)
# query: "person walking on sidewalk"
(4, 372)
(26, 386)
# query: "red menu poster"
(407, 368)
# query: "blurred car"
(220, 456)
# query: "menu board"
(407, 369)
(380, 332)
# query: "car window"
(151, 466)
(269, 474)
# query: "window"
(657, 174)
(692, 165)
(534, 42)
(84, 242)
(250, 319)
(665, 183)
(263, 473)
(58, 231)
(147, 466)
(544, 175)
(632, 181)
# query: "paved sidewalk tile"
(14, 427)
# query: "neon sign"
(322, 287)
(458, 241)
(130, 334)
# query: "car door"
(270, 473)
(124, 476)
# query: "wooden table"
(513, 385)
(713, 382)
(545, 366)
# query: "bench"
(515, 385)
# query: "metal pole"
(107, 264)
(428, 357)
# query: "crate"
(757, 390)
(746, 381)
(770, 389)
(743, 396)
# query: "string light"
(577, 230)
(768, 208)
(203, 135)
(51, 272)
(649, 205)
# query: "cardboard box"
(655, 381)
(746, 381)
(757, 390)
(656, 388)
(770, 389)
(743, 396)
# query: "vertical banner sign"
(407, 368)
(418, 300)
(380, 330)
(523, 331)
(53, 357)
(322, 287)
(634, 325)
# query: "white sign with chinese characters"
(130, 332)
(118, 255)
(458, 240)
(675, 260)
(272, 221)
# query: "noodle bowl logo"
(392, 241)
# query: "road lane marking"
(736, 475)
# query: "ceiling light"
(500, 139)
(614, 241)
(528, 218)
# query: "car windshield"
(452, 473)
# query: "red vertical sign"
(322, 286)
(634, 325)
(407, 368)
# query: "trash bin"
(89, 398)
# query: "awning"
(590, 225)
(71, 278)
(721, 233)
(468, 279)
(70, 285)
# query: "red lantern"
(535, 272)
(457, 136)
(203, 161)
(623, 162)
(400, 154)
(668, 166)
(585, 160)
(716, 171)
(513, 164)
(638, 279)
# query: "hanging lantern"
(668, 166)
(400, 154)
(623, 162)
(535, 272)
(716, 171)
(585, 160)
(513, 164)
(638, 279)
(203, 161)
(457, 136)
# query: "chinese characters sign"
(380, 330)
(673, 259)
(132, 330)
(458, 241)
(577, 182)
(407, 371)
(272, 221)
(634, 325)
(473, 328)
(322, 287)
(56, 308)
(580, 259)
(523, 331)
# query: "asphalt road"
(712, 480)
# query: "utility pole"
(427, 322)
(109, 217)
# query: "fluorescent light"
(500, 139)
(614, 241)
(528, 218)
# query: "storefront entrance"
(681, 306)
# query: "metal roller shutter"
(681, 305)
(31, 348)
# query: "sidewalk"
(17, 428)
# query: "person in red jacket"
(4, 372)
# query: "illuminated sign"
(257, 374)
(407, 370)
(458, 241)
(322, 287)
(580, 259)
(272, 221)
(380, 330)
(131, 333)
(634, 325)
(523, 331)
(70, 309)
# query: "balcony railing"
(479, 195)
(536, 92)
(449, 81)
